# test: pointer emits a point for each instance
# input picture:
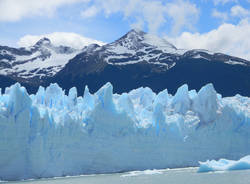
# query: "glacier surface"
(225, 165)
(52, 134)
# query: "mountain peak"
(136, 31)
(136, 39)
(43, 41)
(134, 35)
(131, 40)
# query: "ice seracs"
(53, 134)
(181, 101)
(205, 104)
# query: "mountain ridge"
(137, 56)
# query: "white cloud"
(238, 11)
(152, 14)
(183, 13)
(221, 15)
(217, 2)
(59, 38)
(14, 10)
(90, 12)
(227, 38)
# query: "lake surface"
(171, 176)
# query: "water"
(172, 176)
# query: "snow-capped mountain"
(41, 60)
(138, 46)
(140, 59)
(136, 59)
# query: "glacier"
(225, 165)
(51, 134)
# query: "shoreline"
(141, 172)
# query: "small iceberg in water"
(225, 165)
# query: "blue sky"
(210, 24)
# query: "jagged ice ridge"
(52, 134)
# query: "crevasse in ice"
(52, 134)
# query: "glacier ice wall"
(52, 134)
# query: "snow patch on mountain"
(53, 64)
(158, 42)
(198, 56)
(232, 62)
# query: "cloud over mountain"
(150, 14)
(60, 38)
(222, 39)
